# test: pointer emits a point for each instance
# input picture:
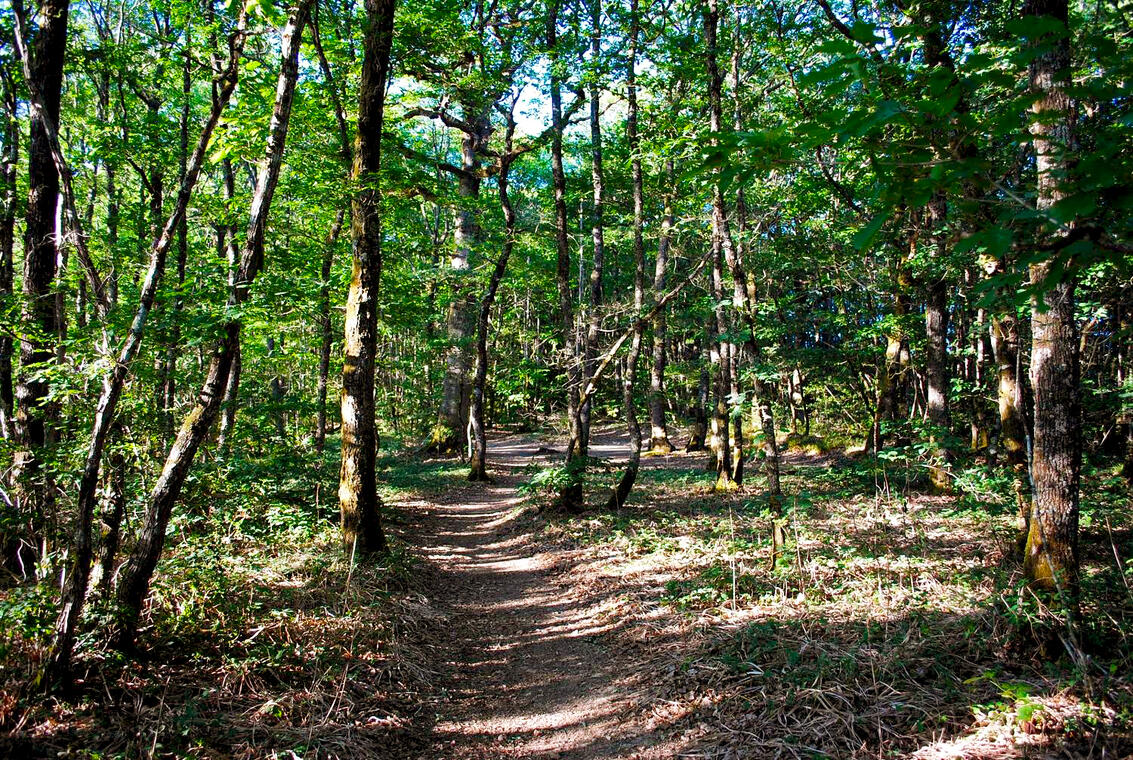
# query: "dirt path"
(521, 672)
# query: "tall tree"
(40, 318)
(74, 592)
(1051, 559)
(625, 484)
(478, 471)
(359, 502)
(138, 571)
(9, 167)
(570, 496)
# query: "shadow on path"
(521, 673)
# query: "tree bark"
(1012, 424)
(697, 439)
(478, 470)
(34, 419)
(744, 296)
(325, 326)
(57, 667)
(893, 375)
(9, 167)
(659, 433)
(138, 571)
(325, 321)
(625, 485)
(937, 383)
(570, 497)
(597, 228)
(173, 350)
(226, 241)
(1051, 559)
(456, 390)
(359, 502)
(721, 248)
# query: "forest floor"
(662, 631)
(524, 672)
(890, 629)
(893, 623)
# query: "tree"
(358, 499)
(138, 571)
(1051, 557)
(43, 323)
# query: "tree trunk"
(57, 667)
(325, 320)
(325, 326)
(173, 351)
(449, 433)
(138, 571)
(659, 434)
(937, 383)
(1051, 559)
(893, 377)
(34, 419)
(697, 439)
(743, 299)
(570, 497)
(478, 470)
(226, 241)
(359, 502)
(113, 509)
(625, 485)
(9, 167)
(597, 229)
(1012, 424)
(721, 247)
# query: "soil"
(524, 670)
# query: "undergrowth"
(891, 623)
(260, 638)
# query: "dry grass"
(893, 625)
(258, 651)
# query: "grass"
(260, 639)
(893, 623)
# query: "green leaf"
(864, 238)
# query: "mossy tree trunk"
(1051, 558)
(359, 502)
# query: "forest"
(585, 379)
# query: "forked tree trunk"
(358, 499)
(58, 664)
(138, 570)
(1051, 559)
